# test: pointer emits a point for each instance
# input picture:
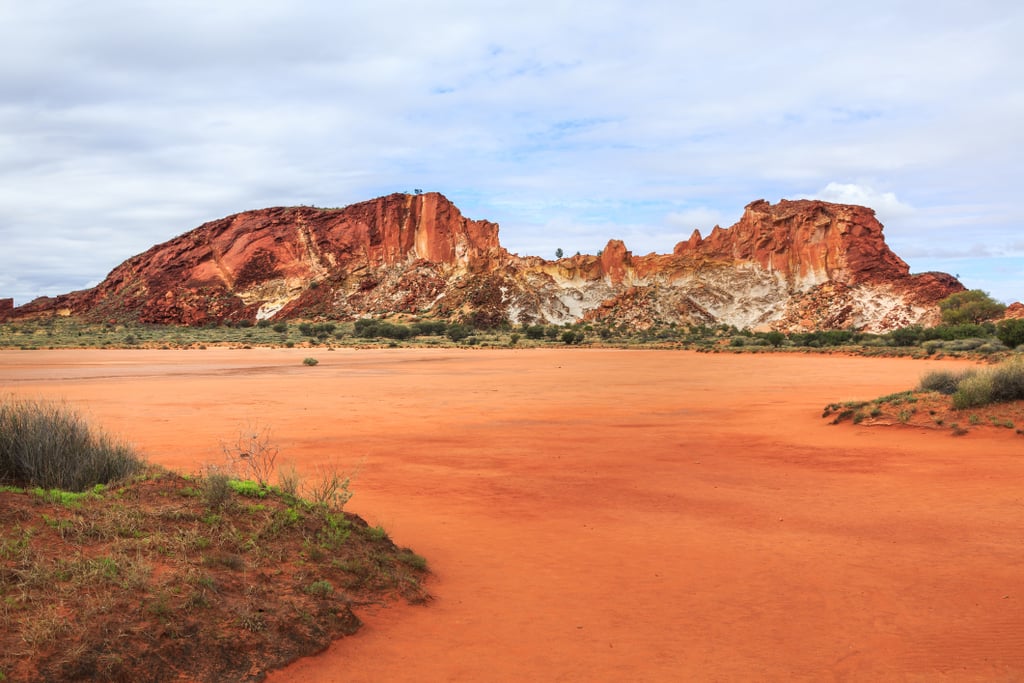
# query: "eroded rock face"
(793, 265)
(1014, 310)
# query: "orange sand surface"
(599, 515)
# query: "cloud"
(124, 123)
(886, 205)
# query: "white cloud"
(887, 207)
(139, 120)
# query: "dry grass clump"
(944, 381)
(50, 445)
(977, 388)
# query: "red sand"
(616, 515)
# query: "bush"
(906, 336)
(458, 332)
(1011, 332)
(974, 391)
(310, 361)
(944, 381)
(216, 490)
(429, 327)
(1008, 382)
(535, 332)
(50, 445)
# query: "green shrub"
(973, 391)
(310, 361)
(1011, 332)
(458, 332)
(535, 332)
(248, 488)
(429, 327)
(906, 336)
(50, 445)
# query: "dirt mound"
(151, 581)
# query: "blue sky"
(124, 124)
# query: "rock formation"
(1013, 311)
(795, 265)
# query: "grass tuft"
(51, 446)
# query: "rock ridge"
(794, 265)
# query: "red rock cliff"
(806, 241)
(794, 265)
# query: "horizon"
(126, 124)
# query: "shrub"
(1011, 332)
(535, 332)
(310, 361)
(944, 381)
(289, 479)
(50, 445)
(216, 489)
(458, 332)
(1008, 382)
(973, 391)
(392, 331)
(906, 336)
(252, 454)
(429, 327)
(280, 327)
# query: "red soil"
(617, 515)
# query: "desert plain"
(600, 514)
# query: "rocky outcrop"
(6, 309)
(794, 265)
(1014, 310)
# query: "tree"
(559, 253)
(972, 306)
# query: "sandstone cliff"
(795, 265)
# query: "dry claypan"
(616, 515)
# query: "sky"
(126, 123)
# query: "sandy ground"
(599, 515)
